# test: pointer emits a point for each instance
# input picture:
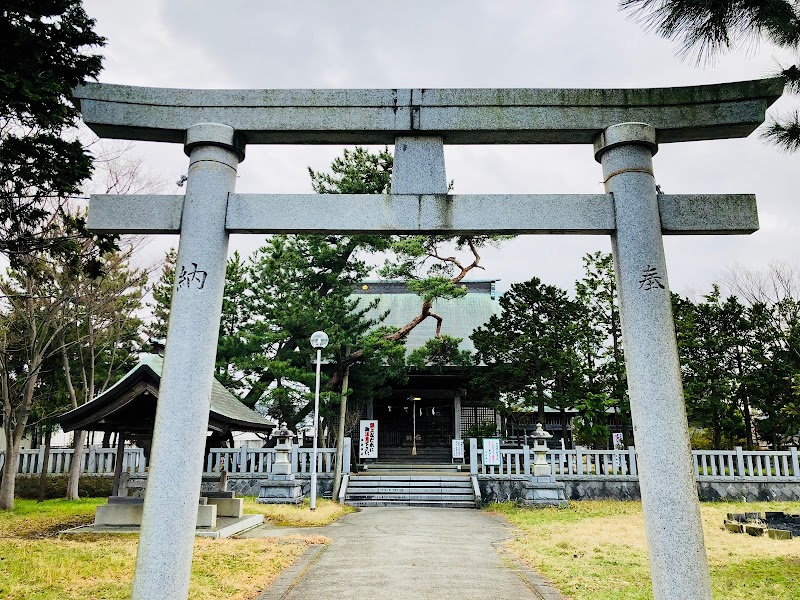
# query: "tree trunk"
(45, 463)
(717, 430)
(13, 444)
(748, 421)
(75, 465)
(541, 399)
(337, 473)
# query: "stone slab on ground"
(225, 527)
(408, 554)
(116, 514)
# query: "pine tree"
(530, 349)
(47, 51)
(704, 29)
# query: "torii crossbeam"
(625, 127)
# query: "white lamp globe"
(319, 339)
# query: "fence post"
(632, 461)
(740, 462)
(346, 443)
(473, 456)
(526, 460)
(91, 465)
(295, 459)
(40, 460)
(578, 461)
(243, 460)
(795, 462)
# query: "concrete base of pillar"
(128, 513)
(228, 507)
(543, 491)
(280, 492)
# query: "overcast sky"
(462, 43)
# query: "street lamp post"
(319, 339)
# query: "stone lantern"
(542, 487)
(281, 488)
(282, 467)
(540, 466)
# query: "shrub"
(90, 486)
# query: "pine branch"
(785, 133)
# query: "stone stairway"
(423, 455)
(397, 488)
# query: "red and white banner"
(368, 439)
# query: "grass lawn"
(289, 515)
(38, 564)
(595, 550)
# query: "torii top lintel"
(459, 116)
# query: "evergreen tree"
(47, 51)
(530, 349)
(601, 344)
(706, 28)
(707, 334)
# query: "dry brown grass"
(596, 550)
(35, 564)
(289, 515)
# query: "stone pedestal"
(286, 491)
(543, 491)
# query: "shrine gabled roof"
(460, 316)
(226, 413)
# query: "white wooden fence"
(101, 461)
(260, 460)
(580, 462)
(583, 462)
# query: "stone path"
(408, 553)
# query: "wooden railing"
(255, 461)
(98, 461)
(584, 462)
(260, 460)
(515, 462)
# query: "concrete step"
(417, 485)
(406, 496)
(408, 480)
(445, 477)
(406, 466)
(411, 490)
(451, 504)
(400, 485)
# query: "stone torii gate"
(625, 127)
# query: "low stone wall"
(242, 483)
(783, 489)
(501, 489)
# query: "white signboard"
(617, 445)
(368, 439)
(491, 452)
(458, 448)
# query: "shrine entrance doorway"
(435, 423)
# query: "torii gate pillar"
(166, 541)
(678, 562)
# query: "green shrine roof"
(130, 404)
(460, 316)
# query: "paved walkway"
(409, 553)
